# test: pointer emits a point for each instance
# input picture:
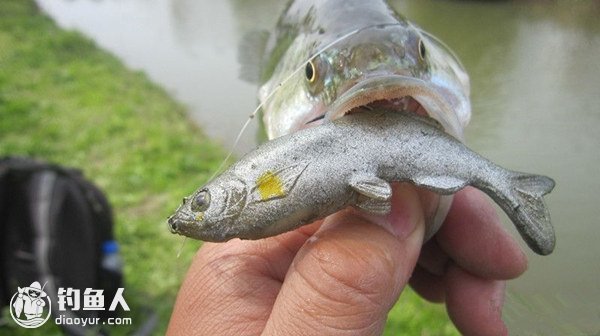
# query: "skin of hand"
(342, 275)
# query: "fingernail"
(407, 213)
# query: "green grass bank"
(64, 100)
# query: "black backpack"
(54, 226)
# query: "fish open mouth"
(399, 93)
(406, 103)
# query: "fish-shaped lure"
(295, 179)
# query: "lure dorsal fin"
(250, 55)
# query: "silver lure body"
(298, 178)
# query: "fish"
(326, 58)
(298, 178)
(19, 303)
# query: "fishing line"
(285, 80)
(181, 247)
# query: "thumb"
(347, 277)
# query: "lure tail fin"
(530, 215)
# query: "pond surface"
(535, 72)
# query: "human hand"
(342, 275)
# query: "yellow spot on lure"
(269, 186)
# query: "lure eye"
(422, 51)
(310, 72)
(201, 201)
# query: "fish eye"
(201, 201)
(422, 51)
(310, 72)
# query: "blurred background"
(535, 76)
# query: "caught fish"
(326, 58)
(295, 179)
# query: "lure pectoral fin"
(273, 184)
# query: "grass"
(64, 100)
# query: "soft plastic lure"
(295, 179)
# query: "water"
(535, 70)
(188, 47)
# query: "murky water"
(535, 70)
